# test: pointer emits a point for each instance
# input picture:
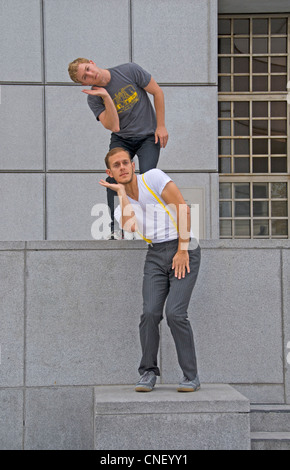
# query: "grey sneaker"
(189, 385)
(146, 382)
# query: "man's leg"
(116, 141)
(176, 312)
(110, 199)
(155, 290)
(148, 153)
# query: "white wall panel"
(95, 29)
(21, 127)
(21, 206)
(191, 121)
(75, 139)
(20, 40)
(175, 41)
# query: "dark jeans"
(147, 152)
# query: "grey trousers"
(160, 286)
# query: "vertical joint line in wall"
(208, 41)
(44, 168)
(44, 208)
(24, 340)
(284, 339)
(42, 40)
(44, 121)
(130, 31)
(94, 419)
(211, 208)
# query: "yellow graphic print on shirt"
(125, 98)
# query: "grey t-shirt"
(136, 114)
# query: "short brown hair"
(73, 68)
(114, 152)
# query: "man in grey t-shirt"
(118, 98)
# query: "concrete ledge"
(62, 300)
(46, 245)
(86, 245)
(211, 398)
(216, 417)
(139, 244)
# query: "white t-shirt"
(154, 223)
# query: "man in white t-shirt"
(152, 205)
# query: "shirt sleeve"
(96, 104)
(140, 76)
(156, 180)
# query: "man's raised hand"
(119, 188)
(97, 91)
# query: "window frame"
(253, 96)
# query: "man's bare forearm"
(183, 224)
(109, 118)
(161, 133)
(159, 105)
(128, 219)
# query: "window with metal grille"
(254, 143)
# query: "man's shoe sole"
(188, 389)
(142, 388)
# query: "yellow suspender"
(162, 205)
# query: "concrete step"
(270, 427)
(217, 417)
(270, 418)
(270, 440)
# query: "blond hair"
(73, 68)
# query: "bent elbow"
(115, 129)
